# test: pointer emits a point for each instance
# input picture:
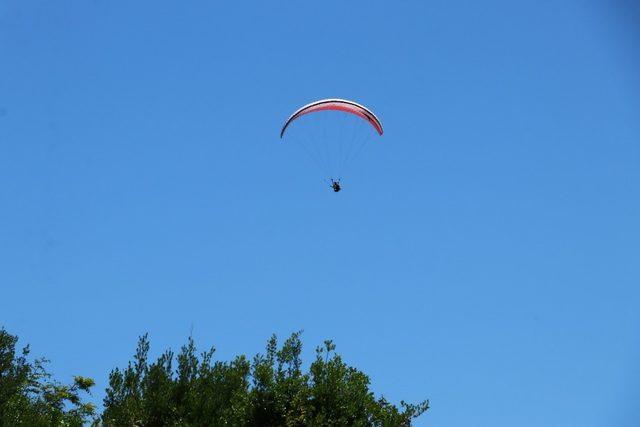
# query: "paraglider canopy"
(335, 104)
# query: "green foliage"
(271, 390)
(192, 389)
(28, 396)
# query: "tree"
(28, 395)
(271, 390)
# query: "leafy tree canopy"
(270, 390)
(28, 395)
(191, 389)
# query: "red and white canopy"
(336, 105)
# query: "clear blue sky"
(485, 254)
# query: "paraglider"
(333, 132)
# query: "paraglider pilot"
(336, 185)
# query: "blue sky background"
(485, 254)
